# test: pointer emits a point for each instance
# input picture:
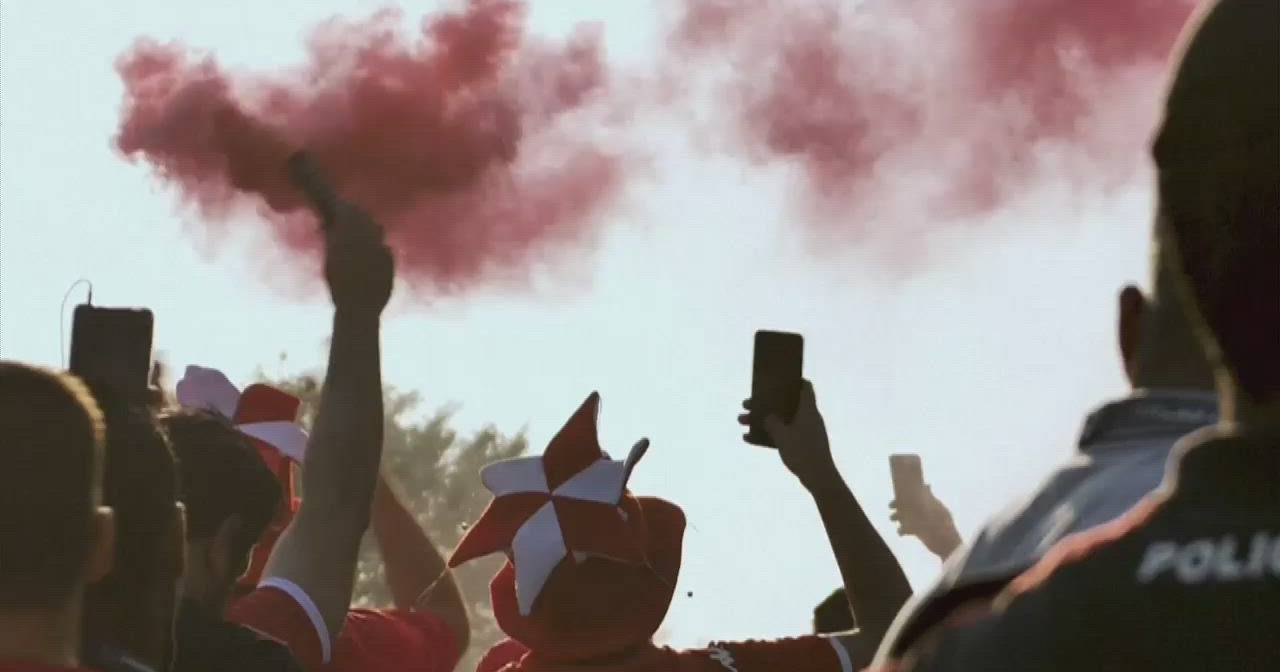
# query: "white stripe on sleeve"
(308, 606)
(846, 664)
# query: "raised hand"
(874, 582)
(358, 264)
(803, 444)
(924, 516)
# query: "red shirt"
(39, 667)
(801, 654)
(391, 640)
(394, 640)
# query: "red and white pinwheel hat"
(263, 413)
(564, 504)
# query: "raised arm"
(873, 580)
(416, 572)
(317, 552)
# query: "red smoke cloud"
(946, 106)
(469, 143)
(477, 148)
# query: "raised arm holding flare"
(306, 589)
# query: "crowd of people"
(209, 532)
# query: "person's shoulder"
(954, 588)
(110, 660)
(260, 651)
(405, 624)
(1062, 610)
(1092, 556)
(384, 639)
(1046, 616)
(810, 653)
(1090, 489)
(201, 639)
(13, 666)
(713, 658)
(1003, 561)
(284, 613)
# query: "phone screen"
(777, 372)
(112, 347)
(908, 475)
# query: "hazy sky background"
(983, 362)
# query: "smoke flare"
(472, 145)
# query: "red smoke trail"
(944, 106)
(468, 143)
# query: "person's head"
(591, 568)
(230, 497)
(55, 535)
(1158, 345)
(596, 607)
(833, 614)
(227, 494)
(131, 609)
(1218, 159)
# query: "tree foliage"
(437, 472)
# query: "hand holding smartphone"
(917, 511)
(777, 376)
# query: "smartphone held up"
(776, 380)
(111, 348)
(908, 477)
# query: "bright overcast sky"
(984, 362)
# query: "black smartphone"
(908, 476)
(777, 374)
(111, 347)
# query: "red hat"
(591, 568)
(263, 413)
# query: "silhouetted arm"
(874, 581)
(416, 572)
(317, 553)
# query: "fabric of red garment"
(37, 667)
(801, 654)
(372, 640)
(275, 613)
(394, 640)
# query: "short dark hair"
(833, 615)
(50, 482)
(1219, 177)
(222, 475)
(140, 484)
